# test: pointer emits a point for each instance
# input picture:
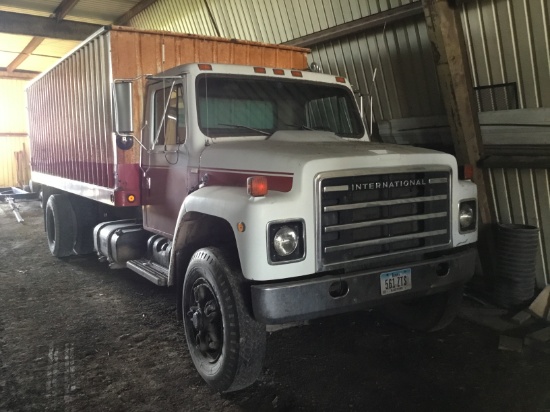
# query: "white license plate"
(395, 281)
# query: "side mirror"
(122, 103)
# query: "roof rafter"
(18, 74)
(17, 23)
(26, 52)
(63, 9)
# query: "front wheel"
(426, 314)
(226, 344)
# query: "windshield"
(252, 106)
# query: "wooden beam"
(17, 23)
(359, 25)
(455, 81)
(134, 11)
(18, 74)
(64, 8)
(26, 52)
(8, 134)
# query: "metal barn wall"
(508, 41)
(522, 196)
(14, 143)
(405, 84)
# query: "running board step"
(149, 270)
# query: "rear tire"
(85, 212)
(226, 344)
(60, 225)
(427, 314)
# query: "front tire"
(427, 314)
(60, 225)
(226, 344)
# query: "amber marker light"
(203, 66)
(259, 70)
(278, 71)
(296, 73)
(341, 79)
(468, 172)
(257, 186)
(241, 227)
(131, 198)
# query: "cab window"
(169, 125)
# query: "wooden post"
(455, 80)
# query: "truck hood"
(300, 153)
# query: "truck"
(245, 179)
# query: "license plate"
(395, 281)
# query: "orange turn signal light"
(204, 66)
(131, 198)
(256, 186)
(468, 172)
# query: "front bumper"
(311, 298)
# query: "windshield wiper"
(242, 126)
(298, 126)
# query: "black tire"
(427, 314)
(60, 225)
(86, 218)
(226, 344)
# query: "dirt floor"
(77, 336)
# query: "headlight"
(467, 216)
(285, 241)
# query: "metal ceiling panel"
(33, 7)
(189, 16)
(55, 47)
(38, 63)
(100, 11)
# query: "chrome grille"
(368, 216)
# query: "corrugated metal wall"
(406, 81)
(507, 40)
(522, 196)
(14, 144)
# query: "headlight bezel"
(471, 203)
(299, 254)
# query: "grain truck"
(232, 172)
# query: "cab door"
(164, 166)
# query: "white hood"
(294, 151)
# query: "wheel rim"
(204, 320)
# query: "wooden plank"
(18, 74)
(455, 80)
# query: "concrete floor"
(75, 335)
